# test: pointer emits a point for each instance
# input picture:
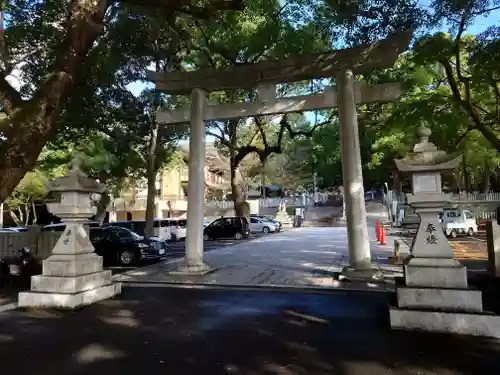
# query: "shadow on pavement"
(172, 331)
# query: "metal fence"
(481, 204)
(275, 202)
(41, 243)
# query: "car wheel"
(206, 237)
(173, 238)
(453, 233)
(265, 230)
(127, 258)
(470, 232)
(238, 236)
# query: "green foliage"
(31, 189)
(450, 81)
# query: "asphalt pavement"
(177, 250)
(188, 331)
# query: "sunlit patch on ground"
(469, 250)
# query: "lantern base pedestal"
(435, 273)
(457, 311)
(68, 300)
(436, 299)
(69, 281)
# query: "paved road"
(301, 257)
(192, 332)
(177, 250)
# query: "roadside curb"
(8, 307)
(386, 288)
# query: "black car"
(120, 246)
(227, 227)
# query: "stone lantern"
(436, 296)
(73, 275)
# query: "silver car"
(258, 225)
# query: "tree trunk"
(150, 200)
(15, 218)
(485, 186)
(35, 216)
(102, 207)
(263, 180)
(467, 180)
(27, 211)
(236, 193)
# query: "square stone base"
(76, 284)
(436, 276)
(286, 224)
(446, 322)
(188, 270)
(68, 301)
(463, 300)
(355, 274)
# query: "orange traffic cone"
(382, 237)
(377, 229)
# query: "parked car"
(121, 246)
(258, 225)
(178, 228)
(59, 227)
(270, 219)
(118, 245)
(14, 229)
(227, 227)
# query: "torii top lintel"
(362, 59)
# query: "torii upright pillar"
(193, 261)
(360, 265)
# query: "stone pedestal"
(282, 216)
(72, 276)
(436, 296)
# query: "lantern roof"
(75, 180)
(426, 157)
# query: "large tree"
(52, 43)
(468, 64)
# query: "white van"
(455, 221)
(178, 228)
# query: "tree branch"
(10, 98)
(260, 128)
(215, 48)
(488, 133)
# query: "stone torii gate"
(342, 65)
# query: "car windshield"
(125, 233)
